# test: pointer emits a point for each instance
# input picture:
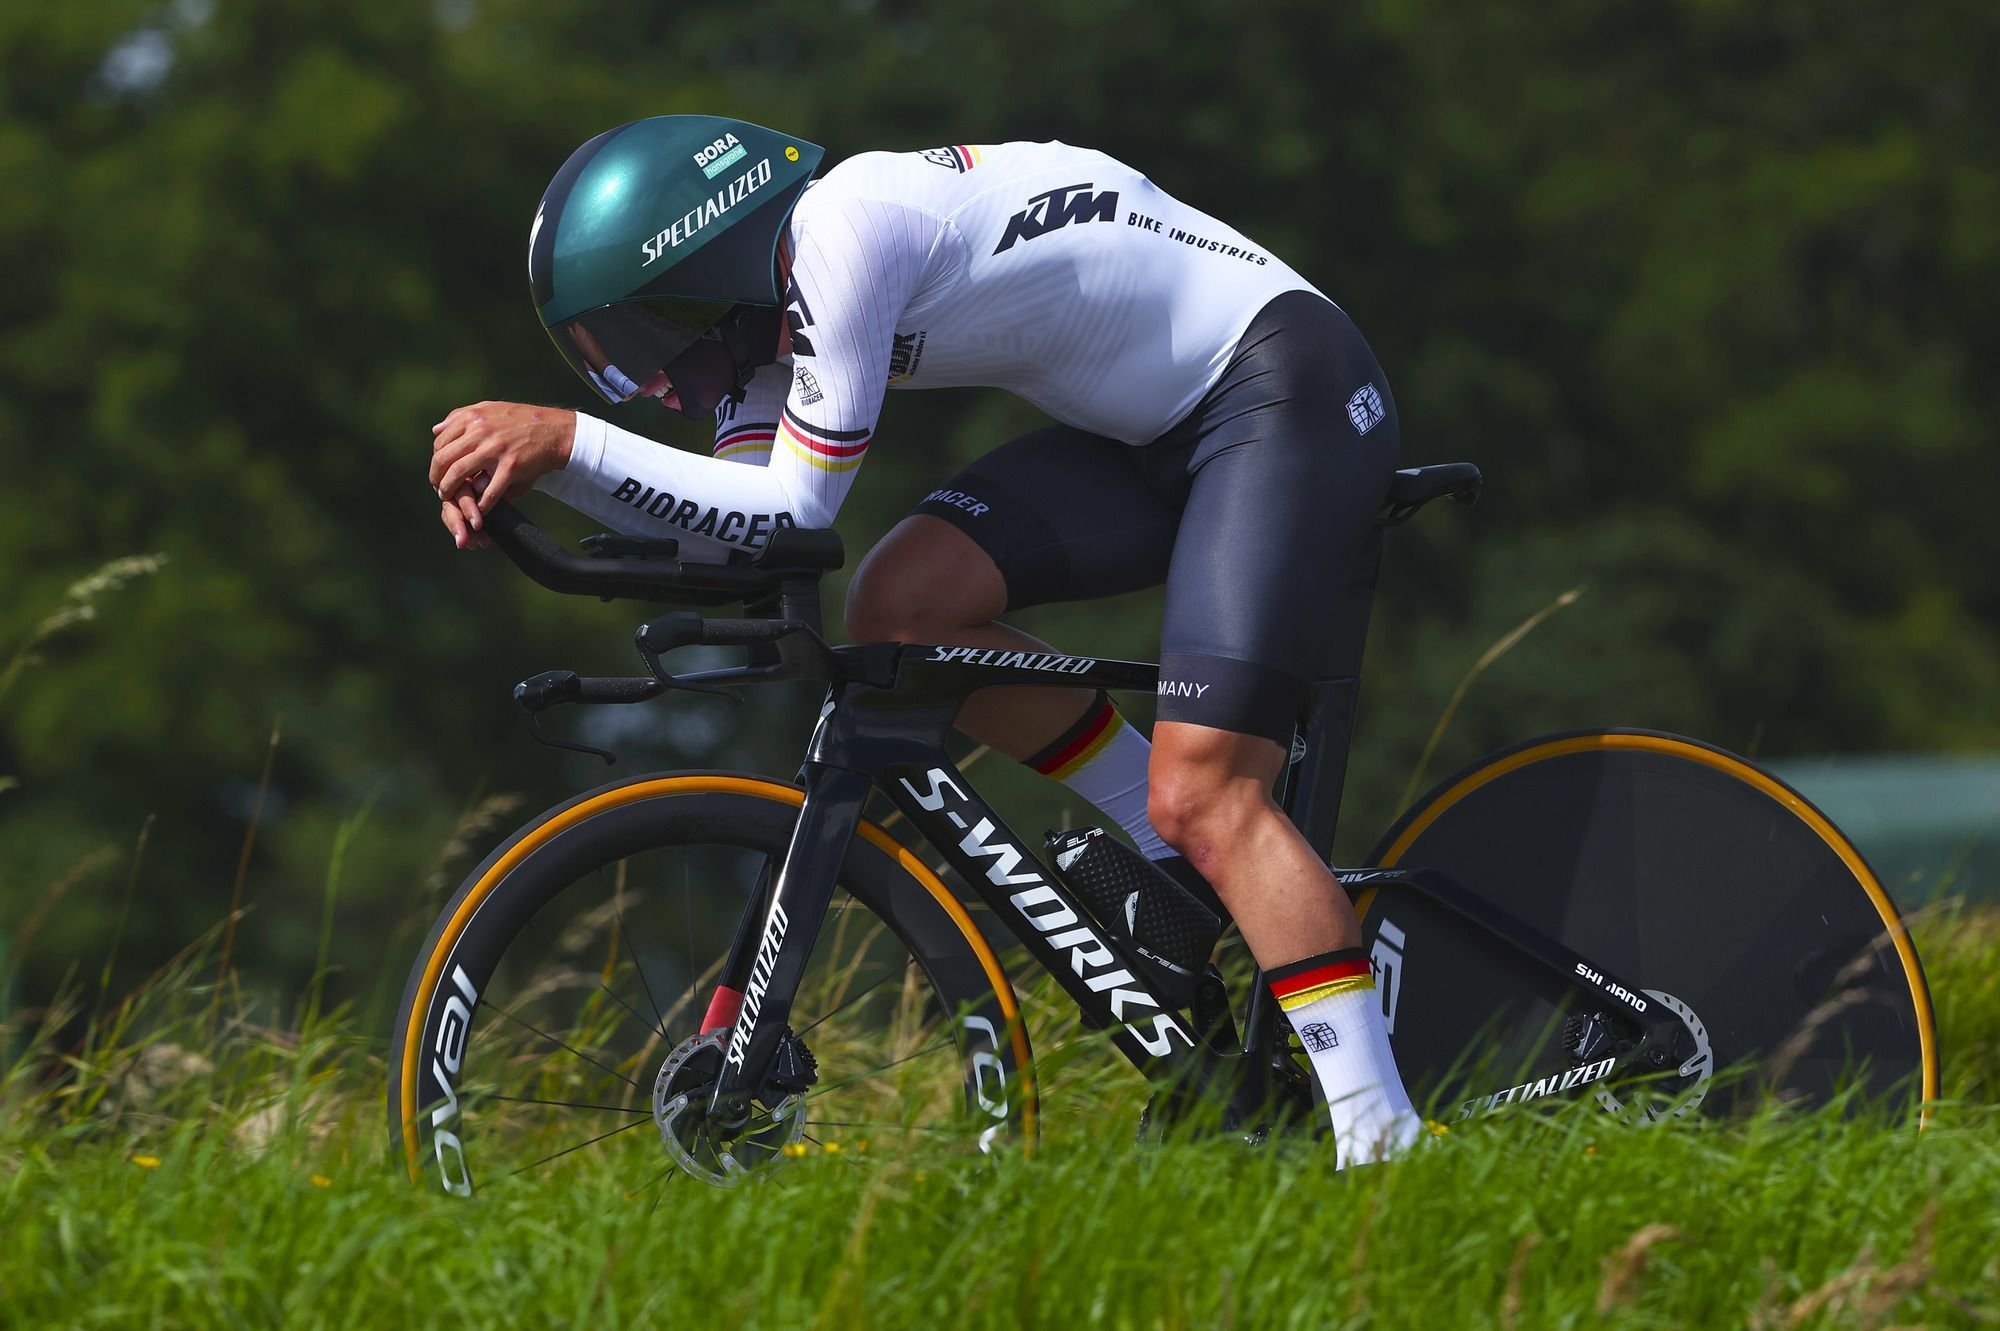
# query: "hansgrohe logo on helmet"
(726, 198)
(719, 156)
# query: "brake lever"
(549, 689)
(574, 746)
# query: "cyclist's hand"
(510, 444)
(459, 517)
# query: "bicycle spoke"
(640, 1123)
(614, 997)
(687, 920)
(852, 999)
(945, 1043)
(832, 1151)
(565, 1104)
(638, 961)
(884, 1127)
(560, 1044)
(672, 1172)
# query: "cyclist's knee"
(1207, 788)
(922, 580)
(1197, 806)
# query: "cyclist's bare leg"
(1211, 801)
(927, 581)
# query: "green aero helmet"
(653, 257)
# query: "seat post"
(1315, 777)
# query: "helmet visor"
(624, 349)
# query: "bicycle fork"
(767, 961)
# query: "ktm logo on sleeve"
(798, 317)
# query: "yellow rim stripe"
(688, 785)
(1721, 762)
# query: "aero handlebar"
(792, 553)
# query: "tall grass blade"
(24, 937)
(1506, 644)
(79, 606)
(243, 872)
(124, 917)
(343, 837)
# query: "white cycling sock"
(1331, 1002)
(1104, 760)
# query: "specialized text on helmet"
(707, 211)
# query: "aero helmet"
(653, 256)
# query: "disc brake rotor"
(1671, 1099)
(681, 1094)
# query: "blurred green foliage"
(1699, 285)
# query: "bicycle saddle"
(1413, 487)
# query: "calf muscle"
(1211, 801)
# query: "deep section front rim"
(706, 809)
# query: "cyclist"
(1220, 426)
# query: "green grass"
(249, 1184)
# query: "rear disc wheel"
(1680, 868)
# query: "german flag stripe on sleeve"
(745, 440)
(1319, 977)
(806, 430)
(828, 450)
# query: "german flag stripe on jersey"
(1074, 750)
(960, 157)
(829, 450)
(1314, 978)
(745, 441)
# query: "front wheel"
(563, 1009)
(1712, 886)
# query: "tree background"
(1698, 285)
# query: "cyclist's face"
(612, 382)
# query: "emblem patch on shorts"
(1365, 408)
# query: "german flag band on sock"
(1319, 977)
(1069, 751)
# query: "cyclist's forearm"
(635, 485)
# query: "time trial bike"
(703, 971)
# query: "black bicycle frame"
(884, 726)
(894, 738)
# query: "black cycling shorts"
(1251, 509)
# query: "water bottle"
(1170, 930)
